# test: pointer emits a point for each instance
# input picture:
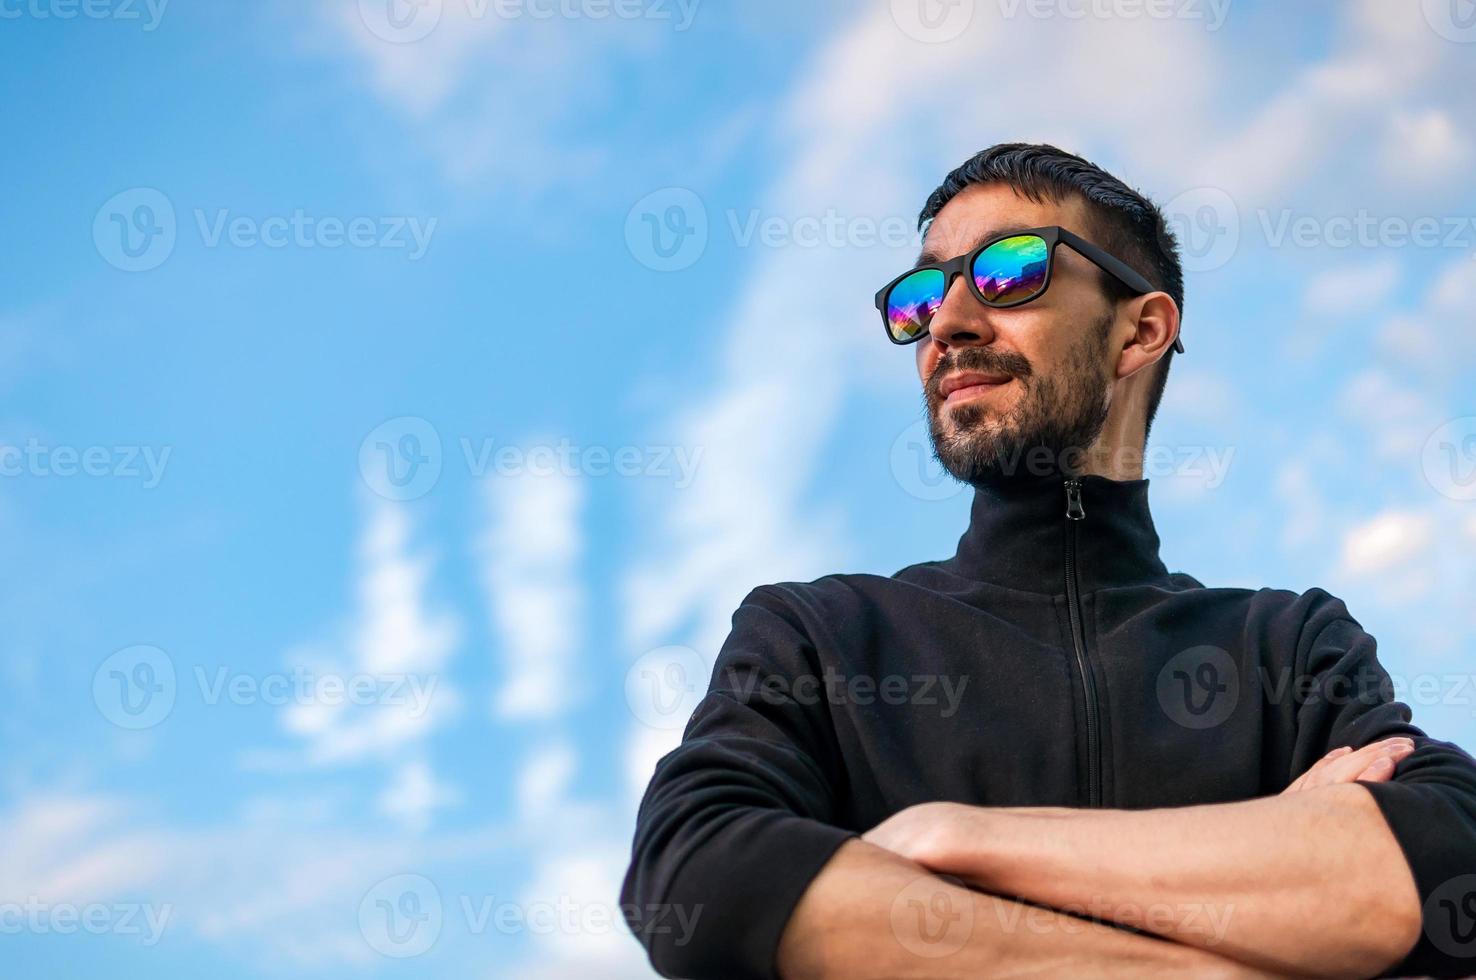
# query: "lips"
(966, 384)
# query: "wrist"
(978, 843)
(1016, 843)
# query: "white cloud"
(1322, 114)
(1395, 416)
(1409, 569)
(1424, 144)
(1386, 541)
(529, 556)
(584, 881)
(504, 103)
(414, 795)
(420, 76)
(1342, 290)
(63, 847)
(396, 639)
(277, 886)
(544, 781)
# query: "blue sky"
(388, 402)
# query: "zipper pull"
(1074, 510)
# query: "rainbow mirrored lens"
(1012, 269)
(912, 303)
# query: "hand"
(1373, 763)
(931, 834)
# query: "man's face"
(1000, 382)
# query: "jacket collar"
(1019, 534)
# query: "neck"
(1019, 531)
(1117, 453)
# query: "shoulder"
(824, 596)
(1299, 612)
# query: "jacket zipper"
(1075, 514)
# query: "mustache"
(985, 360)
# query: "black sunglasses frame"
(1052, 235)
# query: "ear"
(1155, 321)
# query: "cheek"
(1040, 337)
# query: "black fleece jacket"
(1052, 661)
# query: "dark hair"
(1123, 221)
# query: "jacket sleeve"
(1430, 804)
(738, 819)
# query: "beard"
(1053, 416)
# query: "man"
(1088, 765)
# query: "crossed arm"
(1307, 883)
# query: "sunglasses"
(1007, 271)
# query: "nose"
(962, 319)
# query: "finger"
(1335, 767)
(1347, 768)
(1302, 781)
(1381, 770)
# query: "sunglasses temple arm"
(1116, 268)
